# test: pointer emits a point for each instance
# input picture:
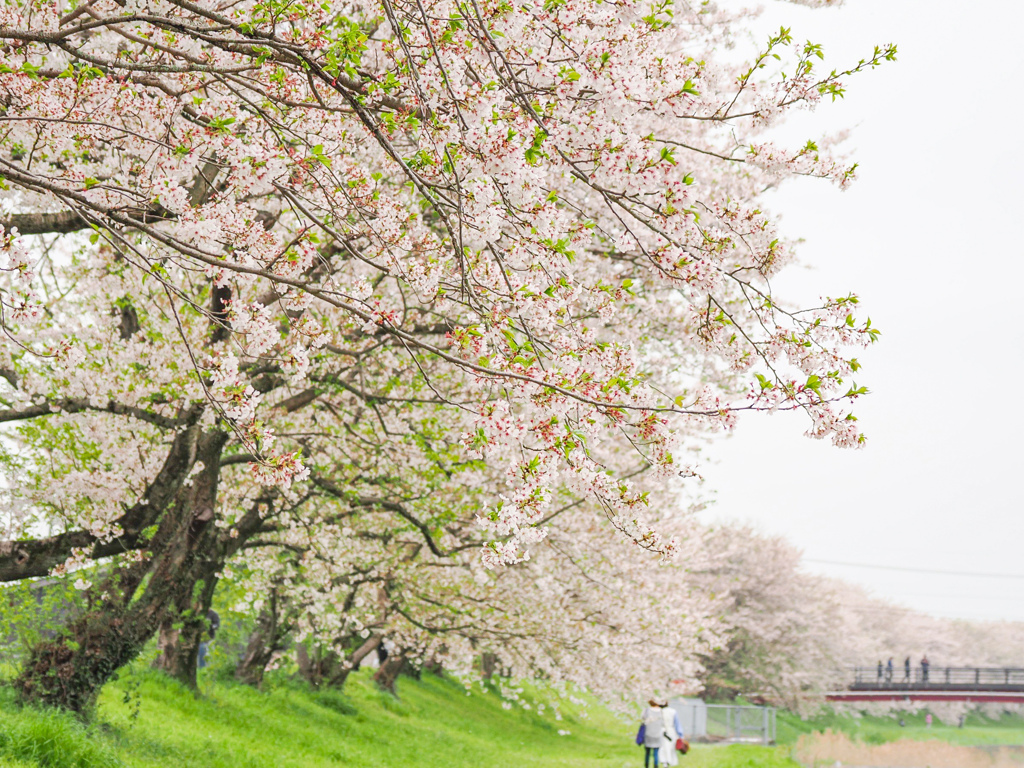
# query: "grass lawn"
(434, 724)
(977, 730)
(145, 720)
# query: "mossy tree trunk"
(173, 584)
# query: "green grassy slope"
(434, 724)
(145, 720)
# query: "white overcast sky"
(930, 238)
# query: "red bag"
(682, 745)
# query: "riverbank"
(826, 750)
(145, 720)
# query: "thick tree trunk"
(318, 665)
(387, 675)
(307, 666)
(138, 598)
(178, 649)
(266, 639)
(253, 664)
(185, 626)
(69, 671)
(488, 665)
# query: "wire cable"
(917, 570)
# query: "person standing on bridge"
(879, 671)
(906, 670)
(924, 668)
(888, 670)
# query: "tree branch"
(59, 223)
(76, 405)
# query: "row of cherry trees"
(740, 618)
(787, 636)
(424, 296)
(743, 618)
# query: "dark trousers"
(648, 751)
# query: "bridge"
(973, 684)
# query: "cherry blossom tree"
(788, 637)
(455, 265)
(580, 612)
(741, 618)
(873, 629)
(779, 627)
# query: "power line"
(918, 570)
(1016, 597)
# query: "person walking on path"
(654, 732)
(880, 670)
(924, 668)
(906, 670)
(673, 730)
(888, 670)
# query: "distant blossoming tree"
(779, 629)
(454, 265)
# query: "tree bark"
(178, 650)
(387, 675)
(266, 639)
(488, 665)
(175, 584)
(60, 223)
(253, 665)
(318, 666)
(352, 662)
(307, 666)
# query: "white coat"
(667, 755)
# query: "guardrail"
(948, 678)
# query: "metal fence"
(726, 722)
(729, 722)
